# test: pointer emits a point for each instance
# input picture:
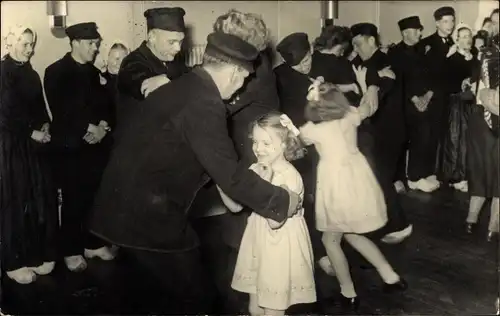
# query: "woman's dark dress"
(28, 200)
(451, 155)
(483, 155)
(336, 70)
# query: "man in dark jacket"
(292, 75)
(156, 61)
(414, 82)
(165, 155)
(80, 106)
(437, 48)
(381, 137)
(221, 229)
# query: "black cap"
(294, 48)
(86, 31)
(411, 22)
(366, 29)
(232, 49)
(443, 11)
(168, 19)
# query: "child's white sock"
(348, 290)
(387, 274)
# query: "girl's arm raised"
(306, 133)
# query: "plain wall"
(281, 17)
(114, 19)
(124, 20)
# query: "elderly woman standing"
(28, 201)
(117, 53)
(451, 160)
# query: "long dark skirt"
(483, 156)
(28, 204)
(451, 161)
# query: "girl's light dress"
(277, 264)
(348, 196)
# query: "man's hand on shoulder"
(151, 84)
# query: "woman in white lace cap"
(451, 160)
(28, 200)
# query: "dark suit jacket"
(292, 90)
(435, 49)
(142, 64)
(387, 124)
(412, 74)
(77, 97)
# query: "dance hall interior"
(199, 157)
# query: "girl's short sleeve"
(294, 182)
(307, 133)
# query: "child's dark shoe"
(399, 286)
(349, 303)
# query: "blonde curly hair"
(294, 147)
(250, 27)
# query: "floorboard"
(449, 273)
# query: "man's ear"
(151, 35)
(371, 39)
(232, 71)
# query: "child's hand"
(360, 72)
(265, 172)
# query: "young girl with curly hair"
(349, 200)
(275, 260)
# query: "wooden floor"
(449, 273)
